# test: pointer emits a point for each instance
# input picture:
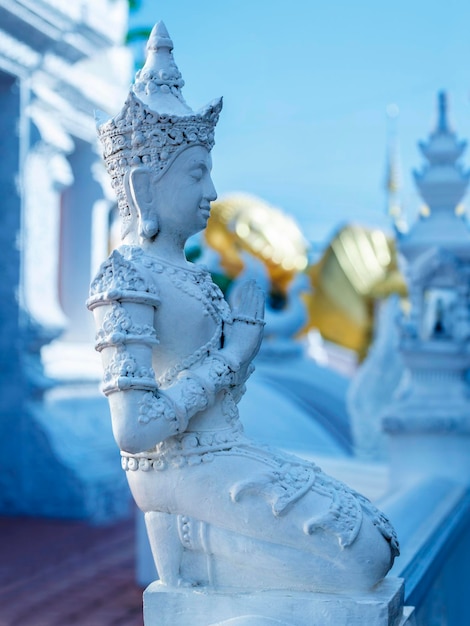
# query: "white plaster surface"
(382, 607)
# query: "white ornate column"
(46, 175)
(77, 210)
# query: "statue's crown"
(155, 123)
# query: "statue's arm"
(124, 305)
(142, 418)
(124, 299)
(126, 338)
(143, 414)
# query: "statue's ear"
(139, 182)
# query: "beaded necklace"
(197, 283)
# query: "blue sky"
(306, 85)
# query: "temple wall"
(12, 374)
(59, 61)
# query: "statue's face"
(184, 193)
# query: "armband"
(118, 328)
(119, 279)
(156, 405)
(123, 373)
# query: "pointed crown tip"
(161, 29)
(159, 37)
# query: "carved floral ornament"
(280, 484)
(124, 372)
(119, 280)
(118, 328)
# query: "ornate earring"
(148, 228)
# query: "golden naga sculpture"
(243, 223)
(358, 267)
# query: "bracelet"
(193, 393)
(156, 405)
(221, 371)
(249, 320)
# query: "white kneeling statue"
(223, 514)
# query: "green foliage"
(138, 34)
(193, 254)
(222, 281)
(134, 5)
(134, 36)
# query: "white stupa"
(431, 412)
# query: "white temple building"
(425, 419)
(59, 61)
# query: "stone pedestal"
(381, 607)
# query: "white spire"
(442, 183)
(442, 121)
